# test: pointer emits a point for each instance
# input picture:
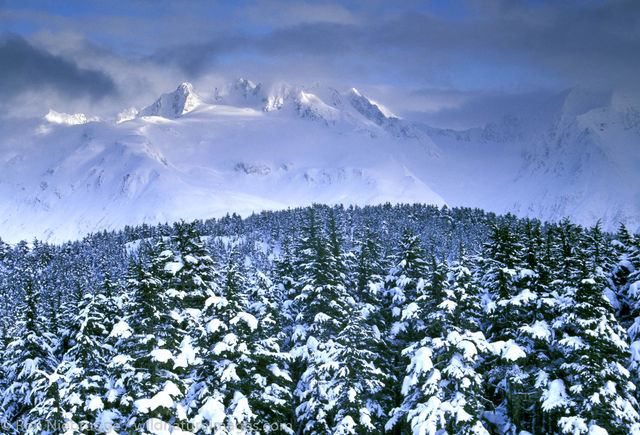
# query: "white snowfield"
(246, 148)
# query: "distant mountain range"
(245, 147)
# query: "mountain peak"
(242, 92)
(580, 100)
(185, 88)
(245, 84)
(370, 109)
(64, 118)
(174, 104)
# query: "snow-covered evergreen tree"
(443, 389)
(196, 274)
(272, 392)
(535, 305)
(225, 374)
(322, 314)
(84, 376)
(150, 377)
(28, 360)
(313, 327)
(404, 285)
(321, 283)
(358, 381)
(592, 389)
(501, 272)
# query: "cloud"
(198, 57)
(279, 14)
(29, 68)
(459, 110)
(501, 45)
(472, 52)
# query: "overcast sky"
(445, 62)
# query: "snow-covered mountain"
(186, 156)
(247, 147)
(577, 155)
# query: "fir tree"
(222, 393)
(443, 389)
(591, 390)
(84, 367)
(28, 360)
(149, 377)
(272, 391)
(358, 382)
(501, 274)
(320, 299)
(403, 286)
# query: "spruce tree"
(28, 360)
(592, 390)
(358, 381)
(501, 272)
(151, 382)
(322, 314)
(404, 285)
(272, 391)
(225, 374)
(84, 367)
(443, 389)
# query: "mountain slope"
(249, 147)
(576, 156)
(182, 157)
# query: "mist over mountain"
(245, 147)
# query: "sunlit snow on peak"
(68, 119)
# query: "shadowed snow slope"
(576, 156)
(248, 148)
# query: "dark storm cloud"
(475, 51)
(27, 68)
(585, 41)
(459, 110)
(594, 43)
(316, 39)
(313, 40)
(474, 44)
(198, 58)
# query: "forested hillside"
(404, 319)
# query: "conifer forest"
(390, 319)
